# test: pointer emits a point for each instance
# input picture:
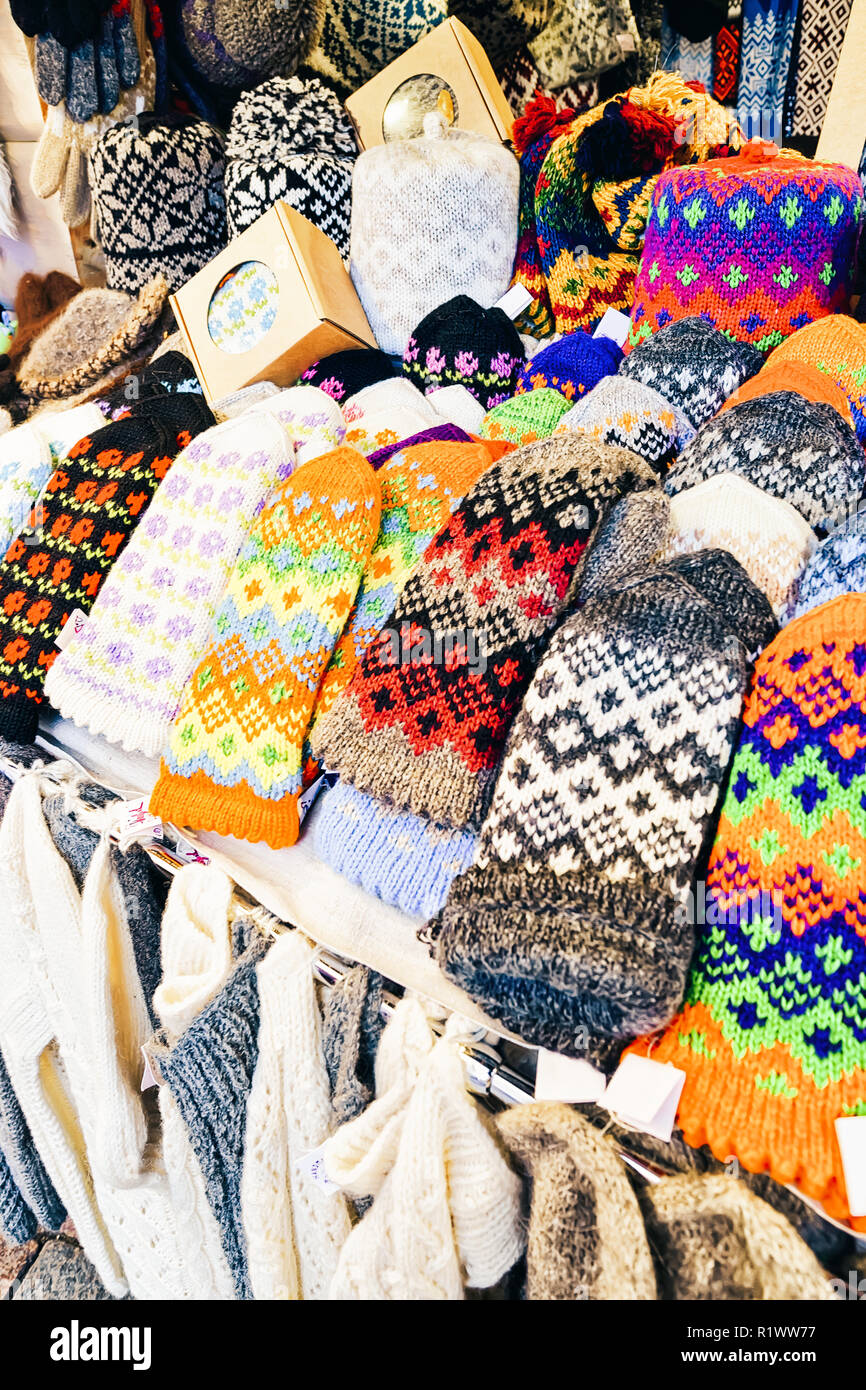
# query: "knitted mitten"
(693, 366)
(82, 93)
(838, 566)
(458, 406)
(342, 374)
(835, 345)
(771, 1036)
(312, 421)
(586, 1235)
(714, 1239)
(234, 760)
(573, 365)
(125, 46)
(573, 920)
(91, 505)
(525, 418)
(124, 673)
(766, 534)
(352, 1026)
(50, 62)
(628, 413)
(792, 449)
(30, 454)
(107, 76)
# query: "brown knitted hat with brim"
(100, 330)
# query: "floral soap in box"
(273, 302)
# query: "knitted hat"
(532, 135)
(462, 344)
(766, 534)
(30, 454)
(809, 381)
(573, 365)
(290, 139)
(837, 346)
(343, 374)
(526, 418)
(453, 195)
(98, 333)
(758, 245)
(494, 581)
(159, 201)
(714, 1239)
(797, 451)
(385, 429)
(626, 412)
(268, 39)
(693, 366)
(459, 406)
(521, 82)
(358, 40)
(505, 26)
(593, 191)
(838, 566)
(234, 758)
(769, 1037)
(123, 675)
(586, 1233)
(573, 920)
(582, 42)
(445, 434)
(387, 394)
(91, 505)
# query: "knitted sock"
(462, 344)
(123, 675)
(821, 33)
(771, 1036)
(628, 413)
(802, 453)
(444, 434)
(82, 96)
(808, 381)
(767, 535)
(767, 46)
(573, 920)
(693, 366)
(107, 79)
(50, 64)
(573, 365)
(586, 1235)
(235, 754)
(835, 345)
(91, 505)
(726, 64)
(17, 1222)
(30, 454)
(838, 566)
(429, 739)
(421, 487)
(526, 418)
(344, 374)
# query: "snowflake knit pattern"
(772, 1037)
(234, 760)
(123, 675)
(838, 566)
(757, 248)
(91, 505)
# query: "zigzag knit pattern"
(428, 737)
(767, 45)
(693, 366)
(90, 507)
(234, 761)
(772, 1037)
(756, 249)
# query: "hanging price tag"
(570, 1079)
(134, 815)
(851, 1134)
(645, 1094)
(313, 1164)
(71, 628)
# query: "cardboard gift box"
(447, 69)
(273, 302)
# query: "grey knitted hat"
(620, 410)
(268, 39)
(794, 449)
(573, 919)
(693, 366)
(291, 139)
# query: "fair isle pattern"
(234, 761)
(124, 674)
(583, 40)
(758, 249)
(359, 39)
(312, 420)
(523, 419)
(765, 59)
(693, 366)
(385, 428)
(772, 1037)
(634, 416)
(837, 347)
(837, 567)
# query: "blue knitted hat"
(838, 566)
(572, 365)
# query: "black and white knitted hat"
(291, 139)
(159, 199)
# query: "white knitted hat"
(431, 218)
(457, 406)
(123, 674)
(393, 393)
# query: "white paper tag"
(134, 815)
(71, 628)
(626, 42)
(188, 852)
(148, 1077)
(570, 1079)
(306, 799)
(614, 325)
(851, 1135)
(313, 1164)
(514, 301)
(645, 1094)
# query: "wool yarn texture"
(573, 365)
(123, 675)
(265, 39)
(532, 135)
(504, 26)
(581, 41)
(766, 534)
(836, 346)
(634, 416)
(428, 738)
(626, 540)
(462, 344)
(90, 508)
(801, 453)
(29, 455)
(822, 29)
(756, 246)
(573, 920)
(809, 381)
(342, 374)
(352, 1026)
(586, 1237)
(765, 62)
(358, 40)
(771, 1034)
(234, 760)
(311, 420)
(693, 366)
(524, 419)
(837, 566)
(726, 63)
(444, 434)
(521, 82)
(454, 196)
(291, 140)
(389, 394)
(459, 406)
